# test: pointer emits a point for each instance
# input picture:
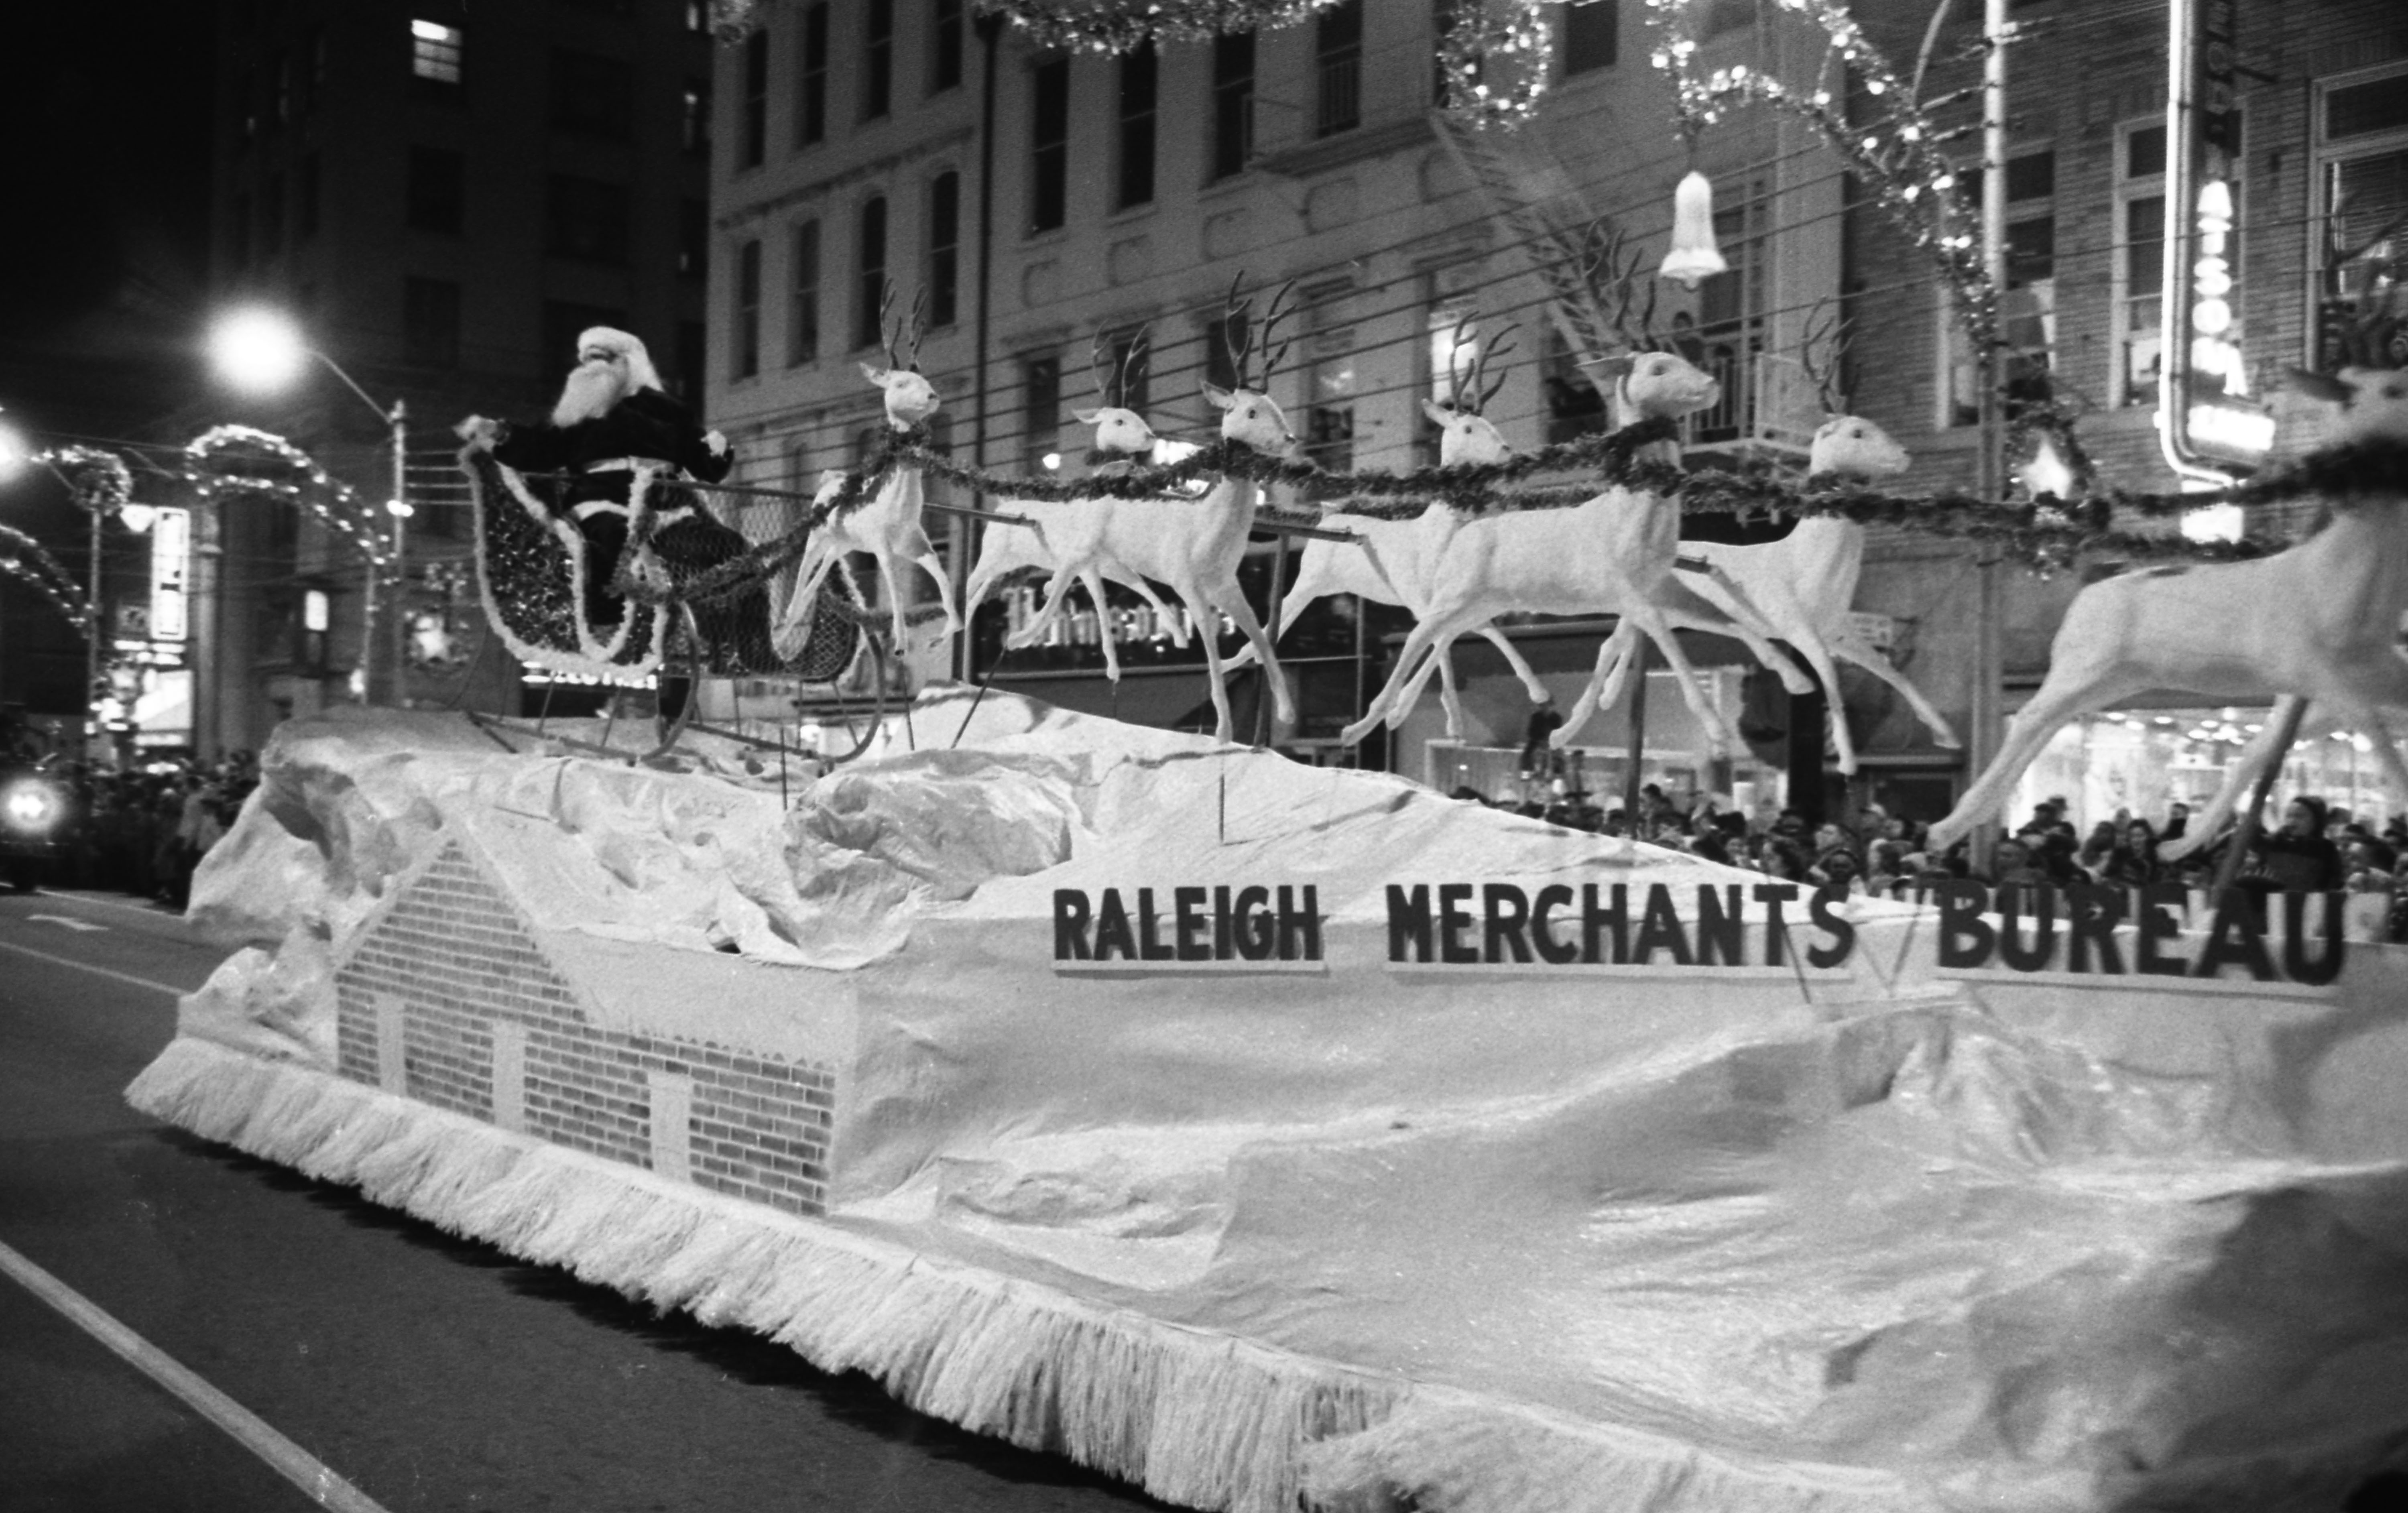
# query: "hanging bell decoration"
(1693, 259)
(2046, 474)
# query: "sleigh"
(677, 617)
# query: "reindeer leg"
(1233, 605)
(1215, 672)
(1722, 731)
(1049, 608)
(1418, 642)
(1136, 583)
(1605, 680)
(1439, 660)
(1094, 581)
(893, 582)
(2368, 716)
(1514, 660)
(2209, 822)
(810, 574)
(932, 564)
(2057, 703)
(1848, 647)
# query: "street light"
(13, 451)
(262, 350)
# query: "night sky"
(104, 258)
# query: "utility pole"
(399, 508)
(1987, 730)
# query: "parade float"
(1277, 1137)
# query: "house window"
(1445, 361)
(1041, 388)
(2139, 260)
(745, 349)
(810, 97)
(585, 220)
(869, 274)
(755, 131)
(592, 95)
(436, 51)
(878, 60)
(1592, 35)
(1729, 334)
(2028, 305)
(694, 123)
(1233, 103)
(693, 240)
(944, 249)
(1135, 149)
(2361, 209)
(803, 298)
(430, 323)
(437, 189)
(1338, 70)
(1049, 140)
(945, 43)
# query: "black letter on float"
(1070, 924)
(1255, 937)
(1300, 929)
(1661, 926)
(2044, 946)
(1151, 946)
(2090, 915)
(1596, 921)
(1776, 929)
(1408, 920)
(2157, 924)
(1507, 910)
(2235, 938)
(1193, 947)
(1554, 896)
(1965, 938)
(1824, 909)
(1224, 948)
(1453, 920)
(1720, 926)
(1112, 929)
(2296, 964)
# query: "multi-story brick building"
(441, 195)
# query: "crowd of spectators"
(142, 830)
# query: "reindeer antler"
(1455, 372)
(886, 333)
(1233, 311)
(1277, 311)
(917, 328)
(1827, 336)
(1494, 351)
(1133, 358)
(1100, 365)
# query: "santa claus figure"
(613, 417)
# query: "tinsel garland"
(98, 478)
(22, 558)
(215, 465)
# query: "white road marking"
(98, 901)
(167, 988)
(295, 1464)
(79, 926)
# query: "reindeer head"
(910, 398)
(1850, 445)
(1118, 430)
(1248, 414)
(2374, 400)
(831, 479)
(1464, 434)
(1667, 384)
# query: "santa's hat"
(626, 347)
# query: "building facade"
(442, 195)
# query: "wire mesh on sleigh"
(533, 567)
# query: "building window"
(754, 130)
(1041, 388)
(693, 240)
(1049, 172)
(693, 123)
(1136, 144)
(306, 191)
(592, 95)
(585, 220)
(878, 59)
(944, 249)
(1129, 383)
(1329, 382)
(2139, 269)
(436, 52)
(1224, 335)
(2361, 210)
(811, 97)
(869, 274)
(1592, 35)
(2027, 306)
(1338, 70)
(946, 37)
(745, 343)
(1233, 103)
(803, 297)
(438, 190)
(430, 323)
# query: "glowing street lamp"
(260, 351)
(13, 451)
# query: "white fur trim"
(594, 657)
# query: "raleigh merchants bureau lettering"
(1595, 925)
(1253, 925)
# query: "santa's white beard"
(592, 390)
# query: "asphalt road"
(431, 1372)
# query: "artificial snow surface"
(1880, 1240)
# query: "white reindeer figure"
(1067, 530)
(2318, 622)
(1193, 545)
(1394, 560)
(887, 525)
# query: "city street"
(430, 1373)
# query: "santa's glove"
(478, 431)
(717, 443)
